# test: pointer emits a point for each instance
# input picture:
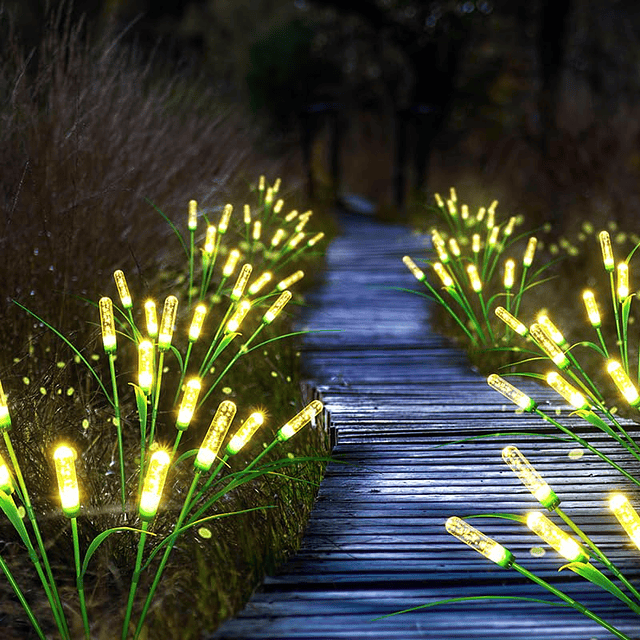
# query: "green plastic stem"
(134, 579)
(116, 404)
(79, 579)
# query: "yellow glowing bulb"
(107, 324)
(223, 225)
(492, 206)
(247, 214)
(245, 433)
(199, 315)
(454, 247)
(627, 516)
(277, 207)
(510, 392)
(6, 481)
(153, 484)
(292, 215)
(444, 276)
(413, 267)
(442, 252)
(123, 289)
(276, 185)
(623, 281)
(261, 183)
(260, 283)
(273, 311)
(551, 349)
(451, 206)
(210, 240)
(511, 321)
(475, 243)
(299, 420)
(452, 194)
(241, 282)
(315, 239)
(464, 212)
(301, 225)
(508, 230)
(556, 538)
(509, 274)
(167, 322)
(530, 251)
(438, 199)
(491, 220)
(493, 237)
(295, 240)
(481, 213)
(607, 250)
(624, 384)
(591, 307)
(238, 316)
(188, 405)
(567, 391)
(64, 459)
(215, 435)
(257, 231)
(278, 237)
(193, 215)
(478, 541)
(530, 478)
(551, 330)
(437, 238)
(151, 317)
(145, 366)
(232, 262)
(474, 278)
(5, 418)
(268, 198)
(292, 279)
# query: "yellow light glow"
(556, 538)
(199, 314)
(510, 392)
(257, 231)
(5, 417)
(167, 322)
(491, 220)
(123, 289)
(464, 212)
(301, 225)
(551, 349)
(145, 366)
(215, 435)
(241, 282)
(454, 247)
(260, 283)
(438, 200)
(493, 237)
(530, 478)
(64, 459)
(591, 307)
(277, 207)
(6, 481)
(551, 330)
(107, 325)
(451, 206)
(481, 214)
(623, 281)
(245, 433)
(151, 318)
(478, 541)
(192, 223)
(508, 230)
(223, 225)
(567, 391)
(624, 384)
(493, 206)
(452, 194)
(247, 214)
(413, 267)
(475, 243)
(292, 215)
(607, 250)
(268, 198)
(153, 484)
(509, 273)
(231, 263)
(276, 185)
(299, 420)
(444, 276)
(511, 321)
(210, 240)
(627, 516)
(295, 240)
(188, 404)
(278, 237)
(273, 311)
(474, 278)
(315, 239)
(292, 279)
(530, 251)
(261, 184)
(238, 316)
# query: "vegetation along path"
(376, 541)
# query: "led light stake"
(623, 281)
(224, 219)
(153, 484)
(567, 391)
(315, 239)
(452, 194)
(454, 247)
(438, 199)
(215, 435)
(193, 215)
(277, 207)
(145, 366)
(592, 308)
(607, 251)
(474, 278)
(464, 212)
(511, 321)
(509, 274)
(199, 314)
(299, 420)
(530, 478)
(273, 311)
(479, 542)
(292, 279)
(238, 316)
(123, 289)
(241, 282)
(257, 231)
(444, 276)
(64, 459)
(210, 240)
(493, 237)
(627, 516)
(278, 236)
(245, 433)
(151, 317)
(481, 213)
(510, 392)
(552, 331)
(268, 198)
(292, 215)
(167, 323)
(247, 214)
(451, 206)
(261, 184)
(259, 284)
(624, 384)
(530, 251)
(296, 239)
(546, 343)
(556, 538)
(5, 417)
(232, 262)
(491, 215)
(442, 252)
(475, 243)
(508, 230)
(188, 405)
(413, 267)
(276, 185)
(107, 325)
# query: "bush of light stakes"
(480, 265)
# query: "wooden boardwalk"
(376, 541)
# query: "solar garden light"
(593, 314)
(627, 516)
(288, 281)
(192, 225)
(187, 409)
(556, 538)
(151, 318)
(512, 322)
(509, 279)
(624, 384)
(260, 283)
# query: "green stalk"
(156, 397)
(136, 334)
(595, 392)
(604, 346)
(486, 317)
(183, 372)
(614, 299)
(518, 297)
(116, 404)
(79, 579)
(192, 235)
(210, 479)
(142, 414)
(134, 579)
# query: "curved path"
(376, 543)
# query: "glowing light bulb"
(153, 484)
(151, 317)
(238, 316)
(511, 321)
(530, 478)
(6, 481)
(556, 538)
(452, 194)
(493, 206)
(491, 216)
(123, 289)
(260, 283)
(551, 330)
(510, 392)
(567, 391)
(481, 214)
(301, 225)
(241, 282)
(454, 247)
(64, 459)
(278, 237)
(509, 274)
(247, 214)
(530, 251)
(475, 243)
(5, 417)
(277, 207)
(508, 230)
(627, 516)
(199, 315)
(493, 237)
(296, 239)
(268, 198)
(442, 252)
(551, 349)
(292, 215)
(591, 307)
(257, 231)
(474, 278)
(451, 206)
(107, 325)
(210, 240)
(413, 267)
(261, 184)
(145, 366)
(245, 433)
(215, 435)
(276, 185)
(167, 322)
(299, 420)
(292, 279)
(223, 225)
(607, 250)
(315, 239)
(478, 541)
(231, 263)
(623, 281)
(444, 276)
(193, 215)
(438, 200)
(624, 384)
(274, 310)
(464, 212)
(188, 404)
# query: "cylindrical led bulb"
(277, 207)
(299, 420)
(551, 349)
(188, 404)
(107, 324)
(153, 484)
(256, 231)
(511, 321)
(241, 282)
(292, 215)
(510, 392)
(530, 251)
(556, 538)
(443, 274)
(454, 247)
(315, 239)
(567, 391)
(210, 240)
(493, 236)
(624, 384)
(592, 308)
(145, 366)
(64, 459)
(508, 230)
(627, 516)
(475, 243)
(247, 214)
(552, 331)
(5, 417)
(295, 240)
(123, 289)
(260, 283)
(292, 279)
(623, 281)
(193, 215)
(223, 225)
(607, 250)
(530, 478)
(278, 236)
(474, 278)
(167, 322)
(231, 263)
(413, 267)
(273, 311)
(479, 542)
(245, 433)
(215, 435)
(151, 317)
(199, 315)
(6, 481)
(238, 316)
(509, 274)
